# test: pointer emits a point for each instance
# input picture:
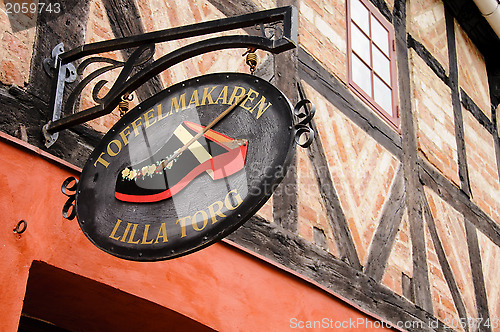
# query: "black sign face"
(186, 167)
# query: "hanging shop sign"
(186, 167)
(192, 163)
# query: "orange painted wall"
(221, 287)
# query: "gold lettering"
(132, 234)
(147, 117)
(194, 99)
(124, 135)
(177, 103)
(160, 115)
(228, 200)
(249, 99)
(214, 213)
(118, 145)
(102, 161)
(261, 105)
(223, 96)
(235, 95)
(162, 233)
(136, 125)
(126, 232)
(205, 220)
(208, 96)
(113, 233)
(145, 235)
(182, 221)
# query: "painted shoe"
(153, 180)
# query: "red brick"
(195, 10)
(340, 144)
(379, 203)
(17, 48)
(307, 213)
(10, 74)
(314, 5)
(306, 230)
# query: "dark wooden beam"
(335, 92)
(290, 250)
(496, 138)
(387, 229)
(454, 196)
(285, 199)
(30, 106)
(478, 114)
(407, 286)
(334, 211)
(463, 171)
(445, 265)
(476, 266)
(414, 190)
(68, 28)
(438, 69)
(383, 8)
(235, 7)
(428, 58)
(19, 107)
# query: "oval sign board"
(186, 167)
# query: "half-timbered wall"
(403, 222)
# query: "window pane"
(382, 95)
(360, 15)
(381, 65)
(361, 75)
(380, 36)
(360, 43)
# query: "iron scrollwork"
(139, 57)
(68, 188)
(304, 112)
(278, 33)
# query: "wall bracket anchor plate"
(64, 73)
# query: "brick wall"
(349, 152)
(361, 169)
(322, 33)
(400, 260)
(427, 25)
(313, 220)
(17, 35)
(159, 15)
(472, 75)
(451, 230)
(490, 255)
(483, 173)
(434, 118)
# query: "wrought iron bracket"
(63, 73)
(278, 33)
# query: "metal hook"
(20, 227)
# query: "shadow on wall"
(58, 300)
